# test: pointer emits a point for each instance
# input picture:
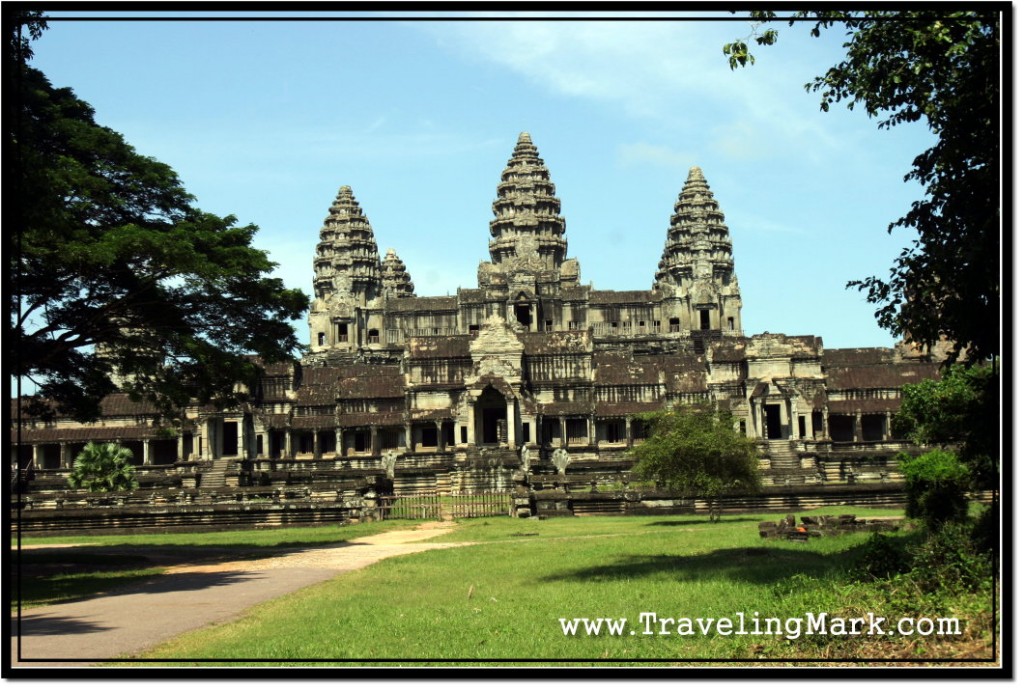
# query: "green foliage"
(103, 468)
(698, 452)
(959, 412)
(949, 559)
(114, 270)
(884, 557)
(942, 67)
(936, 483)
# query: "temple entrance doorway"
(773, 421)
(491, 411)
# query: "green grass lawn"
(503, 598)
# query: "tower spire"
(527, 229)
(697, 262)
(347, 263)
(395, 280)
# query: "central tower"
(527, 230)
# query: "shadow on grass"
(703, 521)
(759, 565)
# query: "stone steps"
(213, 478)
(782, 455)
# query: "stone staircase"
(782, 456)
(213, 477)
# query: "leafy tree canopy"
(698, 452)
(942, 67)
(116, 273)
(103, 468)
(959, 412)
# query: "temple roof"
(619, 297)
(444, 347)
(882, 376)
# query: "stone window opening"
(523, 315)
(320, 338)
(731, 322)
(576, 430)
(657, 326)
(373, 336)
(549, 325)
(428, 437)
(342, 333)
(673, 325)
(474, 329)
(526, 432)
(705, 320)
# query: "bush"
(884, 557)
(949, 560)
(936, 484)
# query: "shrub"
(949, 560)
(936, 484)
(103, 468)
(884, 557)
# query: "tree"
(118, 279)
(936, 482)
(960, 413)
(943, 67)
(698, 452)
(103, 468)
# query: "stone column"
(316, 445)
(65, 455)
(241, 444)
(629, 431)
(564, 440)
(858, 430)
(181, 446)
(510, 423)
(147, 458)
(440, 435)
(471, 428)
(288, 444)
(409, 445)
(374, 440)
(794, 421)
(339, 441)
(591, 430)
(35, 456)
(887, 434)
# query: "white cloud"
(644, 154)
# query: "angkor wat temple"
(460, 393)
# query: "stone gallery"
(530, 374)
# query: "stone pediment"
(497, 350)
(704, 293)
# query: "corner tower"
(347, 273)
(696, 267)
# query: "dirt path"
(190, 596)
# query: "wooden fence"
(438, 507)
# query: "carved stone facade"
(530, 370)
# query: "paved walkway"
(191, 596)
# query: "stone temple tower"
(347, 273)
(696, 268)
(527, 230)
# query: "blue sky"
(265, 120)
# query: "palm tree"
(103, 468)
